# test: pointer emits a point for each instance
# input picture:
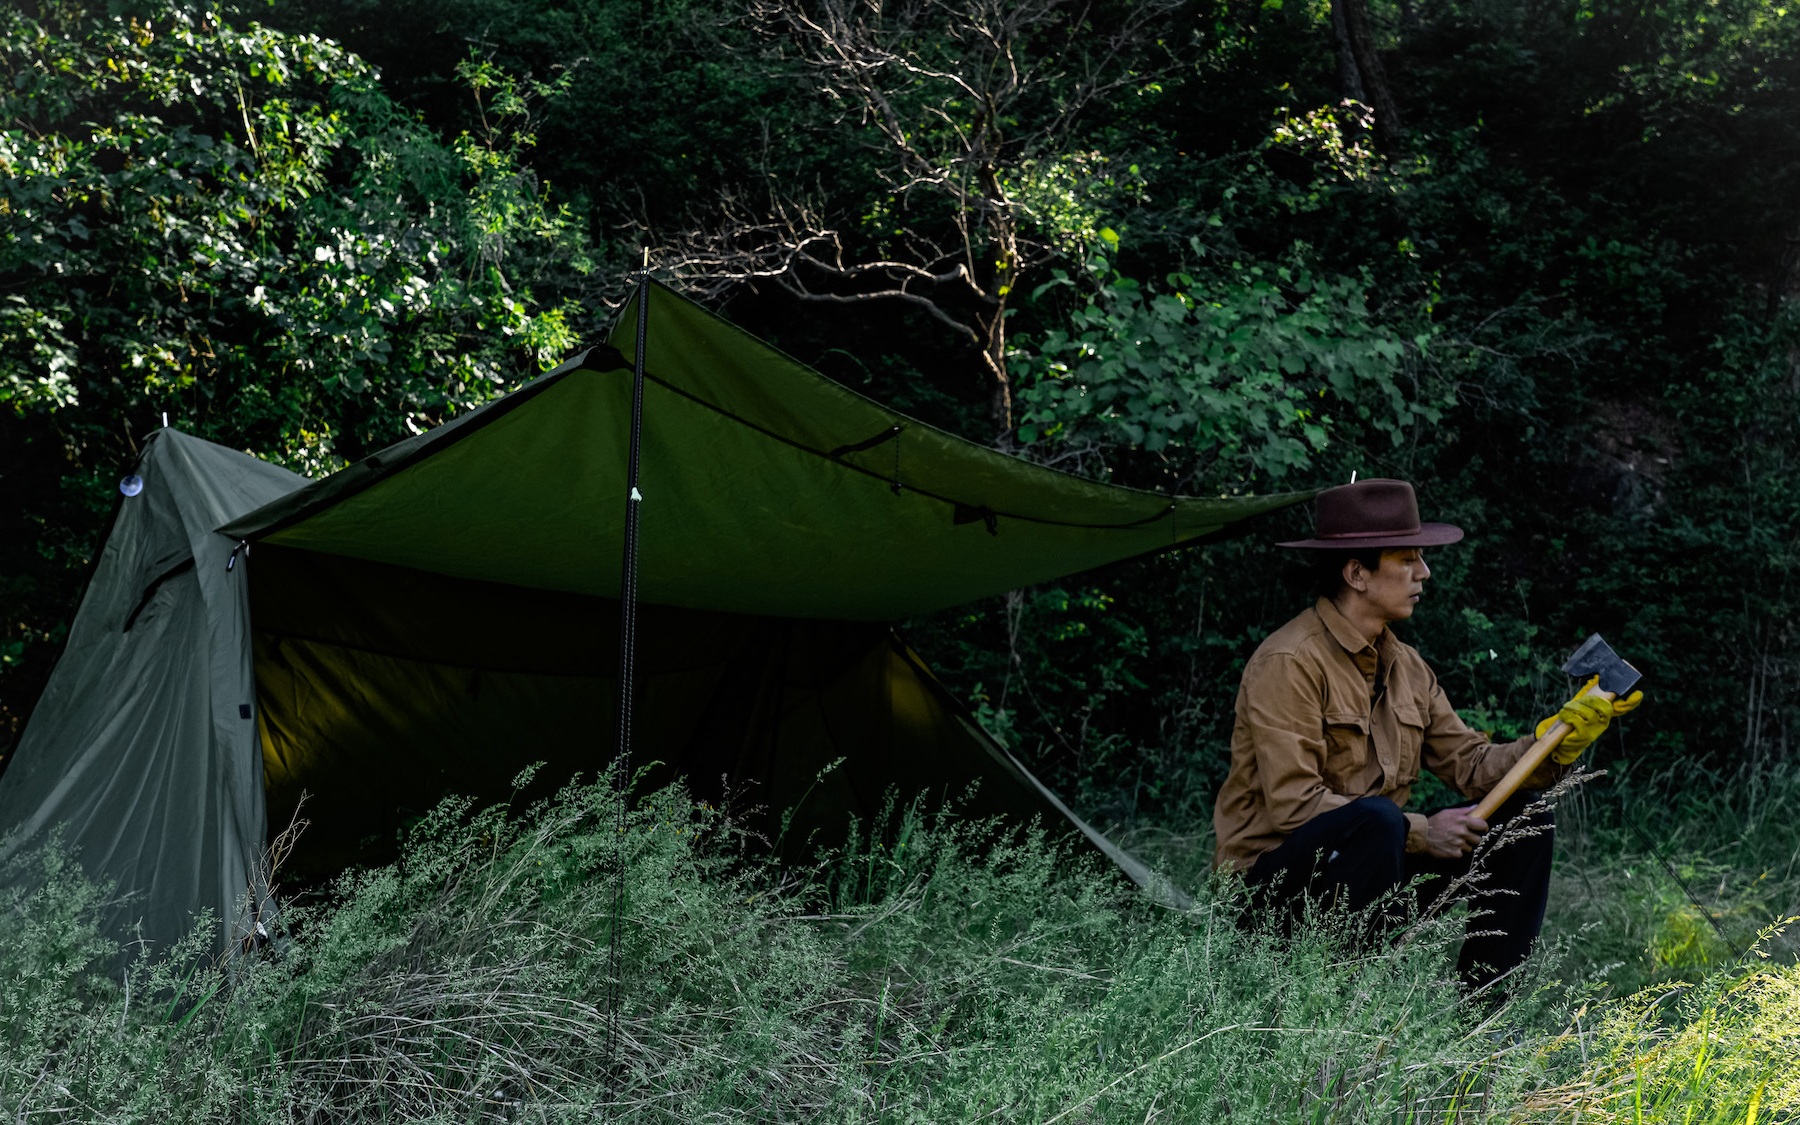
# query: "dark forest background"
(1538, 257)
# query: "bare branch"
(959, 96)
(792, 285)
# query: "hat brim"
(1428, 535)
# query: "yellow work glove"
(1589, 715)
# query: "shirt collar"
(1345, 633)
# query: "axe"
(1594, 658)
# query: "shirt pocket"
(1346, 749)
(1409, 731)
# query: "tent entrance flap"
(382, 689)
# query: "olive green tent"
(439, 615)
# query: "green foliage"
(50, 943)
(88, 1026)
(238, 225)
(1082, 656)
(658, 109)
(1608, 371)
(1232, 385)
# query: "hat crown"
(1367, 509)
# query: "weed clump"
(1722, 1050)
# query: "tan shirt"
(1324, 717)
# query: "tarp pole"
(629, 565)
(627, 659)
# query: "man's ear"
(1356, 576)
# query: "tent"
(441, 614)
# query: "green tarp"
(767, 490)
(438, 616)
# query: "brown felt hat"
(1372, 513)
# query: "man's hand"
(1453, 832)
(1589, 715)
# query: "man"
(1335, 718)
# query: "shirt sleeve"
(1465, 760)
(1280, 703)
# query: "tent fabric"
(437, 617)
(768, 490)
(142, 751)
(383, 688)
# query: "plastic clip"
(242, 545)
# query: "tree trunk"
(1359, 66)
(995, 353)
(1349, 79)
(1005, 234)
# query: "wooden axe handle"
(1529, 762)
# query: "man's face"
(1393, 588)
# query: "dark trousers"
(1351, 856)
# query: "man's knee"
(1367, 842)
(1381, 818)
(1353, 855)
(1369, 856)
(1367, 834)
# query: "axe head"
(1596, 658)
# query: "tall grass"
(1723, 1052)
(1673, 894)
(931, 969)
(1668, 876)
